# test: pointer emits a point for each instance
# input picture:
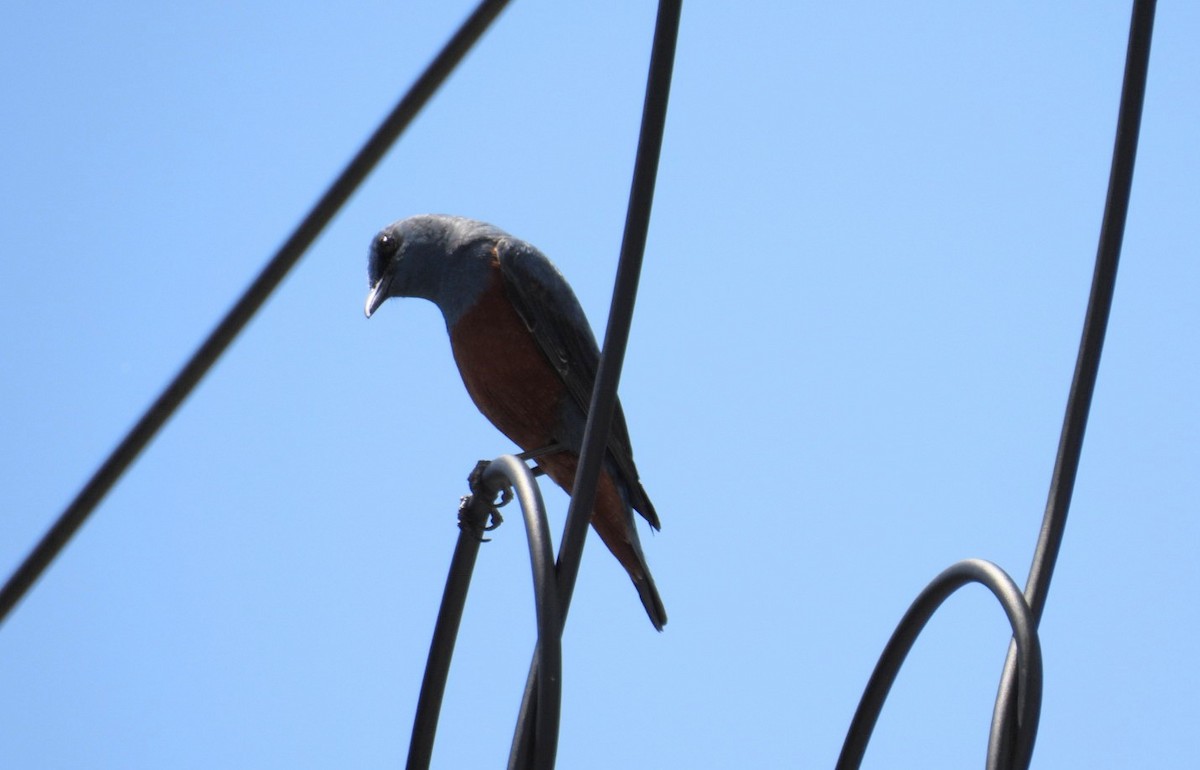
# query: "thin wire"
(474, 513)
(549, 613)
(1029, 669)
(620, 314)
(616, 338)
(1066, 466)
(210, 350)
(473, 516)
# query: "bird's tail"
(612, 518)
(650, 598)
(635, 564)
(613, 521)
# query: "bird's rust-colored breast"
(505, 372)
(515, 387)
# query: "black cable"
(620, 314)
(473, 515)
(549, 616)
(1087, 364)
(1029, 657)
(505, 471)
(616, 338)
(1014, 720)
(210, 350)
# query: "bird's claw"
(475, 477)
(478, 511)
(477, 516)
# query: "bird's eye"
(384, 249)
(387, 244)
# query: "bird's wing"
(545, 302)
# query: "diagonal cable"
(71, 519)
(620, 314)
(616, 338)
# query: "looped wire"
(505, 474)
(1029, 659)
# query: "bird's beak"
(377, 295)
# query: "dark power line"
(239, 315)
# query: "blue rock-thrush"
(526, 355)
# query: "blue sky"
(866, 274)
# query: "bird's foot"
(479, 510)
(478, 515)
(475, 482)
(475, 477)
(533, 454)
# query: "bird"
(527, 356)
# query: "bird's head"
(439, 258)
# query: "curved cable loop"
(360, 166)
(1087, 363)
(549, 610)
(1028, 669)
(487, 481)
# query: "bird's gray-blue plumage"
(421, 244)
